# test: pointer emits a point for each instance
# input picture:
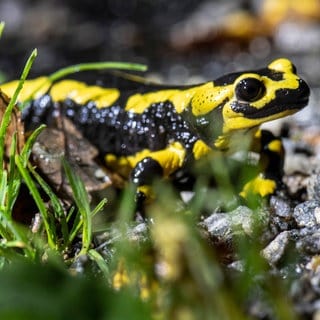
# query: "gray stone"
(307, 214)
(281, 207)
(224, 225)
(275, 250)
(219, 226)
(310, 244)
(313, 187)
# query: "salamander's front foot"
(144, 196)
(259, 186)
(271, 164)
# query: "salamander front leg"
(142, 176)
(271, 163)
(158, 164)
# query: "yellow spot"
(258, 134)
(181, 99)
(107, 99)
(259, 186)
(282, 65)
(81, 93)
(121, 165)
(145, 288)
(32, 89)
(66, 89)
(171, 237)
(208, 97)
(200, 149)
(276, 146)
(222, 142)
(170, 159)
(121, 277)
(110, 158)
(148, 192)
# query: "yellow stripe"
(81, 93)
(181, 99)
(32, 89)
(170, 159)
(200, 149)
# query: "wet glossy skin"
(157, 131)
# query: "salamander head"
(248, 99)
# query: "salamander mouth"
(269, 110)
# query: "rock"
(281, 207)
(313, 187)
(243, 220)
(310, 244)
(225, 225)
(219, 226)
(276, 248)
(307, 214)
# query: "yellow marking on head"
(235, 120)
(282, 65)
(81, 93)
(180, 98)
(200, 149)
(32, 89)
(208, 97)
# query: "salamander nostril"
(304, 90)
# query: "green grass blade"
(48, 223)
(58, 210)
(95, 66)
(3, 189)
(14, 180)
(2, 24)
(77, 223)
(100, 261)
(27, 148)
(7, 114)
(82, 202)
(99, 207)
(8, 229)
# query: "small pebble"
(310, 244)
(313, 186)
(276, 248)
(224, 225)
(281, 207)
(306, 214)
(219, 226)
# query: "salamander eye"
(249, 89)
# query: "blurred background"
(181, 41)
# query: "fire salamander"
(160, 131)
